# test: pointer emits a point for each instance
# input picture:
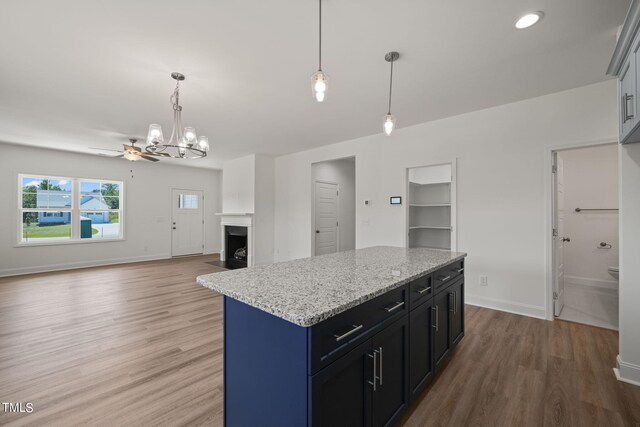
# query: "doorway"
(187, 222)
(333, 206)
(585, 235)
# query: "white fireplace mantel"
(236, 219)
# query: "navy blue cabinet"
(368, 385)
(341, 393)
(420, 348)
(362, 367)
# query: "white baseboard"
(80, 264)
(594, 283)
(508, 306)
(627, 372)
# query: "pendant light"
(389, 120)
(320, 79)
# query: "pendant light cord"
(390, 85)
(319, 35)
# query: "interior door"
(326, 218)
(559, 237)
(187, 224)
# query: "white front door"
(559, 237)
(326, 218)
(187, 224)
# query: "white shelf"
(430, 205)
(430, 227)
(429, 183)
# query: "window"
(54, 209)
(188, 201)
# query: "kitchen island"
(349, 338)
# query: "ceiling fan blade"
(104, 149)
(150, 158)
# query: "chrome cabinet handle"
(346, 334)
(423, 290)
(380, 369)
(461, 270)
(455, 302)
(375, 363)
(395, 307)
(444, 278)
(624, 108)
(452, 301)
(436, 323)
(626, 100)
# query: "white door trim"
(548, 211)
(313, 214)
(201, 190)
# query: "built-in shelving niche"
(431, 206)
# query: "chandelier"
(184, 143)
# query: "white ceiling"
(90, 73)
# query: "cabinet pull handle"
(460, 270)
(380, 369)
(375, 363)
(455, 302)
(444, 278)
(346, 334)
(452, 301)
(436, 323)
(423, 290)
(395, 307)
(626, 99)
(624, 108)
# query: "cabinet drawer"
(446, 275)
(333, 337)
(420, 290)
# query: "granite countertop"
(309, 290)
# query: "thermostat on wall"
(395, 200)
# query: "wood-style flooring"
(141, 345)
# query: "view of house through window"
(59, 209)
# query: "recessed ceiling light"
(529, 20)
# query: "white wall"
(147, 216)
(629, 357)
(502, 189)
(591, 181)
(343, 173)
(238, 185)
(264, 208)
(248, 187)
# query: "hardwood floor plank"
(141, 344)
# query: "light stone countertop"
(309, 290)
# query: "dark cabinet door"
(456, 292)
(390, 397)
(441, 342)
(341, 393)
(420, 345)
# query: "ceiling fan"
(133, 153)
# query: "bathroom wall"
(591, 181)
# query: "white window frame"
(74, 211)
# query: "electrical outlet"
(484, 281)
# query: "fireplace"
(236, 234)
(236, 246)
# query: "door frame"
(454, 201)
(548, 206)
(204, 240)
(313, 214)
